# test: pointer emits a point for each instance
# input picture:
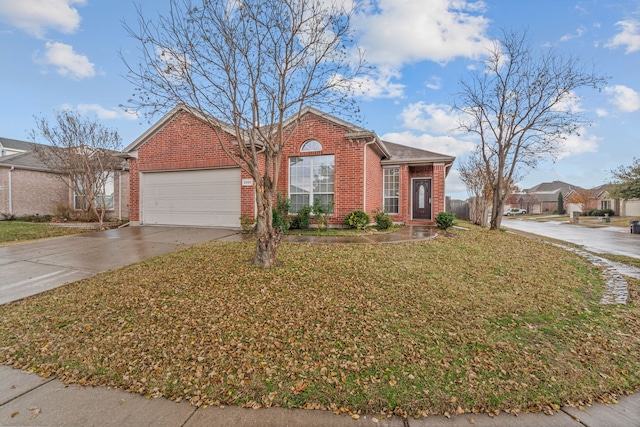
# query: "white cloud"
(35, 17)
(579, 32)
(434, 83)
(570, 103)
(454, 185)
(396, 32)
(578, 144)
(434, 118)
(629, 37)
(379, 84)
(623, 97)
(67, 62)
(601, 112)
(104, 113)
(438, 144)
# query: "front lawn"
(471, 321)
(18, 231)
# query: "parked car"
(515, 211)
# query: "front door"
(421, 198)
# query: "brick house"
(181, 176)
(28, 187)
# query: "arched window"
(311, 145)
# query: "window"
(391, 190)
(605, 204)
(311, 145)
(106, 196)
(311, 178)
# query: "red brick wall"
(185, 142)
(375, 177)
(349, 165)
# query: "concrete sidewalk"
(27, 400)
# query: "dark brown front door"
(421, 199)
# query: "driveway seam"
(42, 383)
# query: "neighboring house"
(543, 198)
(29, 187)
(181, 176)
(620, 207)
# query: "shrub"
(446, 220)
(320, 214)
(302, 219)
(383, 220)
(599, 212)
(247, 222)
(281, 213)
(357, 219)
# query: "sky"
(61, 54)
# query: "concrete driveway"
(33, 267)
(604, 240)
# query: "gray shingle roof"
(23, 161)
(16, 144)
(403, 154)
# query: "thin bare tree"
(521, 106)
(474, 176)
(248, 67)
(81, 151)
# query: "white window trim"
(311, 199)
(383, 188)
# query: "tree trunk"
(496, 211)
(268, 237)
(267, 247)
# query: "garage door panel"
(201, 198)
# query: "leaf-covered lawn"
(18, 231)
(471, 321)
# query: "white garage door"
(199, 197)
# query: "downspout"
(120, 195)
(364, 186)
(10, 195)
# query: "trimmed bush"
(383, 220)
(302, 220)
(357, 219)
(446, 220)
(599, 212)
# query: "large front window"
(311, 178)
(391, 190)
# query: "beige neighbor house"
(543, 198)
(29, 188)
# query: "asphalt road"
(604, 240)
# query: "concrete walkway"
(34, 267)
(28, 400)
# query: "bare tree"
(474, 176)
(522, 107)
(246, 67)
(80, 150)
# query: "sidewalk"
(27, 400)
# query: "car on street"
(515, 211)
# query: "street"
(605, 240)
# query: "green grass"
(17, 231)
(472, 321)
